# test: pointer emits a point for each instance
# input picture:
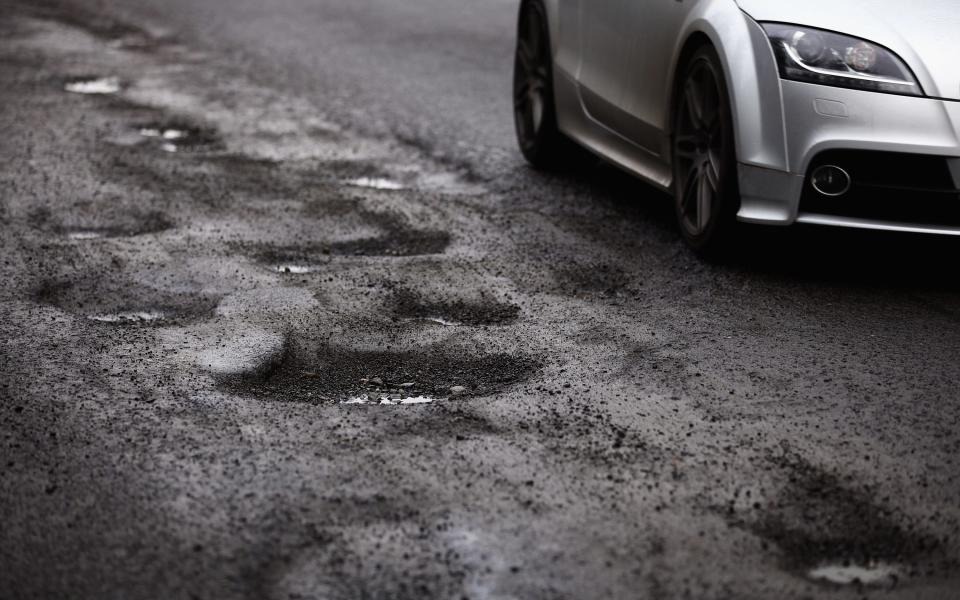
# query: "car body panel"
(619, 106)
(922, 32)
(623, 80)
(750, 70)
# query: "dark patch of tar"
(444, 420)
(319, 374)
(403, 565)
(407, 304)
(397, 238)
(97, 23)
(817, 519)
(399, 242)
(590, 279)
(100, 298)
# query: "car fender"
(752, 76)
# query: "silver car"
(776, 112)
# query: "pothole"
(116, 33)
(376, 183)
(877, 574)
(329, 375)
(300, 259)
(436, 321)
(295, 269)
(311, 257)
(94, 86)
(128, 317)
(180, 136)
(86, 234)
(833, 534)
(395, 241)
(389, 400)
(127, 226)
(117, 302)
(408, 304)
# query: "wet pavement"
(284, 315)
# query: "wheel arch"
(553, 19)
(751, 76)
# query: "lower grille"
(906, 188)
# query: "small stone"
(407, 385)
(376, 381)
(457, 390)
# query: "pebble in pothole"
(320, 374)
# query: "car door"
(658, 25)
(626, 51)
(602, 64)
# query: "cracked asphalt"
(285, 316)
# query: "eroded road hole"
(180, 136)
(328, 375)
(410, 305)
(398, 242)
(296, 269)
(836, 535)
(128, 317)
(389, 400)
(872, 575)
(86, 234)
(311, 258)
(94, 86)
(376, 183)
(107, 301)
(131, 226)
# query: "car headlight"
(817, 56)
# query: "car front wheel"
(535, 117)
(706, 194)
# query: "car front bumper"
(819, 119)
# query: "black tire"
(534, 107)
(706, 191)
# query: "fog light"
(830, 180)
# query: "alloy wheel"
(699, 149)
(531, 75)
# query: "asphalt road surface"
(285, 316)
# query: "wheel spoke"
(532, 94)
(522, 88)
(529, 90)
(534, 34)
(689, 188)
(711, 170)
(526, 56)
(699, 149)
(686, 146)
(694, 103)
(704, 201)
(710, 102)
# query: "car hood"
(924, 33)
